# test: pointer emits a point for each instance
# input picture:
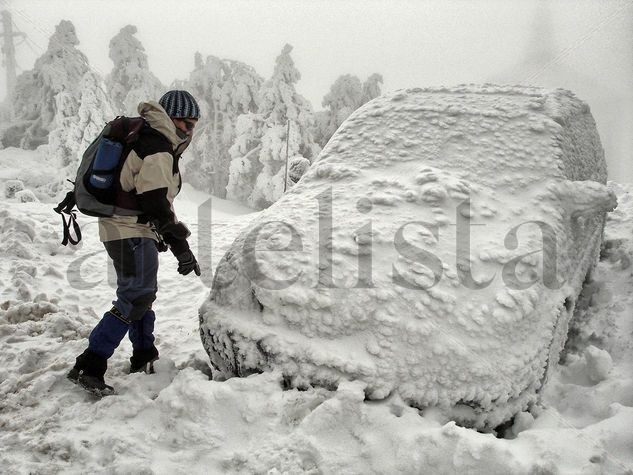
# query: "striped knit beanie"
(180, 105)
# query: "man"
(151, 169)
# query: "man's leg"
(142, 337)
(141, 331)
(136, 263)
(136, 291)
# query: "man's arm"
(152, 187)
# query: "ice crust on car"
(435, 249)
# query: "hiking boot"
(88, 373)
(92, 384)
(143, 360)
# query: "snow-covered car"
(435, 250)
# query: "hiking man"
(132, 242)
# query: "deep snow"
(180, 421)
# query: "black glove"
(187, 263)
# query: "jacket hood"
(158, 119)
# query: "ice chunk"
(599, 363)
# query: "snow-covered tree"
(245, 165)
(279, 104)
(346, 95)
(34, 99)
(5, 117)
(371, 88)
(321, 127)
(79, 118)
(60, 102)
(225, 90)
(130, 81)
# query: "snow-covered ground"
(180, 421)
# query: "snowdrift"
(52, 297)
(435, 251)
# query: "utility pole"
(8, 50)
(287, 142)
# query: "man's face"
(185, 126)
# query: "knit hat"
(180, 105)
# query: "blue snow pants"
(136, 263)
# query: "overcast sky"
(583, 45)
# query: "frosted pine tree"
(226, 89)
(371, 88)
(346, 95)
(34, 99)
(5, 117)
(321, 127)
(279, 103)
(60, 102)
(245, 165)
(80, 116)
(130, 81)
(344, 98)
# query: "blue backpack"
(96, 189)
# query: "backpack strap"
(129, 130)
(67, 204)
(72, 220)
(66, 207)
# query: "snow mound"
(435, 249)
(11, 187)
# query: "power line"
(8, 49)
(564, 53)
(47, 33)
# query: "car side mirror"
(584, 198)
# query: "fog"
(582, 45)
